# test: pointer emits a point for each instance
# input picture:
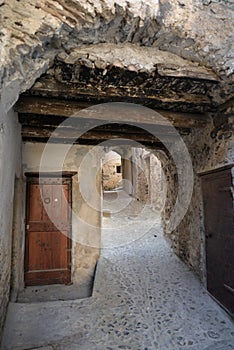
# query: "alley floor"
(144, 297)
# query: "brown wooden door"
(48, 247)
(219, 231)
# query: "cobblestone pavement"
(144, 297)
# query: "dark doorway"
(48, 247)
(219, 233)
(118, 169)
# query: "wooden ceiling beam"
(67, 108)
(79, 126)
(72, 135)
(95, 142)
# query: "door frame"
(56, 178)
(215, 170)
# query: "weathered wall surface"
(199, 30)
(209, 148)
(86, 217)
(19, 68)
(148, 184)
(169, 25)
(18, 239)
(110, 178)
(157, 183)
(140, 175)
(10, 163)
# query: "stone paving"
(144, 298)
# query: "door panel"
(48, 247)
(219, 231)
(50, 252)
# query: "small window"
(118, 169)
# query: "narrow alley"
(117, 175)
(144, 297)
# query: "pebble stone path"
(144, 298)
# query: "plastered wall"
(10, 163)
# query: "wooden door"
(219, 231)
(48, 247)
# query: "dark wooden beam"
(180, 94)
(62, 109)
(98, 134)
(40, 105)
(88, 142)
(80, 126)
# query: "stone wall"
(148, 184)
(209, 148)
(140, 175)
(110, 178)
(170, 25)
(157, 183)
